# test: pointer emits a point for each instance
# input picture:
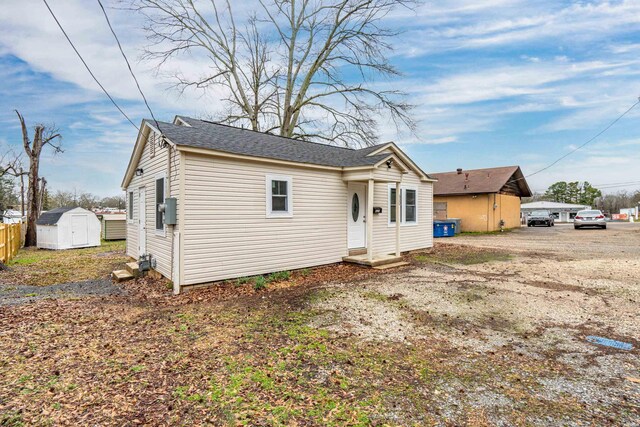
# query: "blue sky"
(495, 83)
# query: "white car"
(590, 218)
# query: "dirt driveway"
(481, 330)
(531, 296)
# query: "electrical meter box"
(170, 211)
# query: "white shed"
(66, 228)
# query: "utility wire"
(128, 65)
(588, 141)
(87, 66)
(604, 186)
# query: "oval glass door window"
(355, 207)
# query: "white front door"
(142, 223)
(79, 230)
(357, 204)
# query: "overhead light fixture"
(139, 172)
(389, 163)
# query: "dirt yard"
(481, 330)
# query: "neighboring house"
(484, 199)
(251, 203)
(11, 216)
(562, 212)
(114, 226)
(66, 228)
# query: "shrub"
(243, 280)
(278, 276)
(260, 283)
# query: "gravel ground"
(17, 295)
(560, 286)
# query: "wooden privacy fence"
(10, 241)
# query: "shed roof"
(53, 216)
(230, 139)
(114, 217)
(481, 181)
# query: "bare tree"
(300, 68)
(43, 135)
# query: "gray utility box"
(170, 211)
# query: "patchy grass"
(443, 253)
(41, 267)
(256, 361)
(233, 355)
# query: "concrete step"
(392, 265)
(132, 268)
(121, 275)
(378, 260)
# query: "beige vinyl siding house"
(250, 203)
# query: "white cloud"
(472, 25)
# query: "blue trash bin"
(444, 228)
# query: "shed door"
(79, 230)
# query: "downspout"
(176, 289)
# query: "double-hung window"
(159, 201)
(392, 205)
(279, 190)
(408, 205)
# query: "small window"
(392, 205)
(159, 201)
(279, 196)
(130, 206)
(279, 201)
(410, 206)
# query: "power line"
(604, 186)
(588, 141)
(87, 66)
(104, 12)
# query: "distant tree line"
(83, 199)
(10, 198)
(579, 193)
(583, 193)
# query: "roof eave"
(137, 151)
(406, 159)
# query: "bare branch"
(288, 67)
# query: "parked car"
(590, 218)
(540, 218)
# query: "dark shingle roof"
(213, 136)
(53, 216)
(480, 181)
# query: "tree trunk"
(31, 237)
(42, 136)
(22, 190)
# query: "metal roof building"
(563, 212)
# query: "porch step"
(377, 260)
(132, 268)
(392, 265)
(357, 251)
(121, 275)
